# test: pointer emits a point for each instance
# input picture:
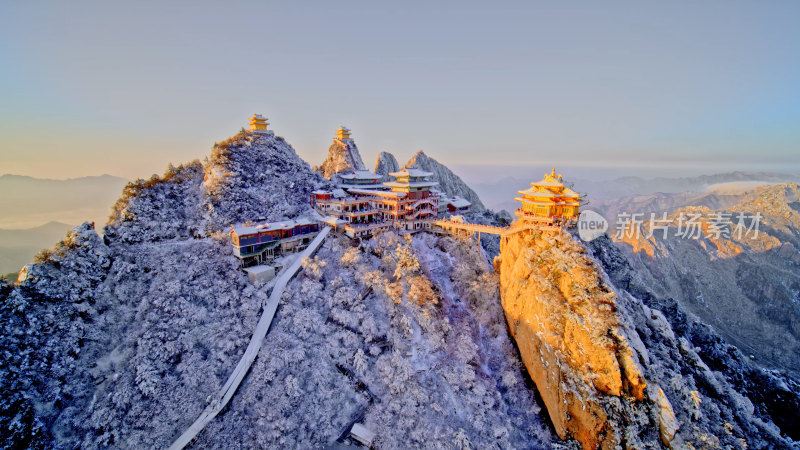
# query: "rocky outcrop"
(385, 165)
(121, 341)
(576, 346)
(343, 156)
(612, 370)
(449, 183)
(252, 176)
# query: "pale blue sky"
(90, 87)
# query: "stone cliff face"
(342, 157)
(574, 343)
(385, 165)
(449, 182)
(610, 369)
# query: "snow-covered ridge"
(385, 165)
(246, 177)
(449, 183)
(119, 342)
(256, 177)
(343, 156)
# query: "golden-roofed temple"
(343, 133)
(548, 200)
(258, 123)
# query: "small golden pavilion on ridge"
(548, 200)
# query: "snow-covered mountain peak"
(449, 182)
(253, 176)
(343, 156)
(385, 165)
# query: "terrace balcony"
(361, 212)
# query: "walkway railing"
(478, 228)
(491, 229)
(533, 217)
(224, 395)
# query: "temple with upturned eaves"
(361, 206)
(548, 200)
(406, 204)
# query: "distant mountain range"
(30, 202)
(746, 286)
(38, 212)
(18, 247)
(500, 194)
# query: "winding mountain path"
(224, 395)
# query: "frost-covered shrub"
(351, 257)
(313, 267)
(72, 270)
(421, 291)
(255, 176)
(121, 343)
(421, 374)
(162, 208)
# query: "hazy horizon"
(484, 173)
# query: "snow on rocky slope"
(746, 286)
(246, 177)
(614, 370)
(770, 395)
(403, 335)
(343, 156)
(120, 341)
(385, 165)
(253, 176)
(449, 183)
(106, 344)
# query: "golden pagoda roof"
(550, 180)
(525, 200)
(537, 192)
(411, 172)
(258, 119)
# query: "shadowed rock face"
(611, 369)
(385, 165)
(449, 182)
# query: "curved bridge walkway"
(224, 395)
(451, 225)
